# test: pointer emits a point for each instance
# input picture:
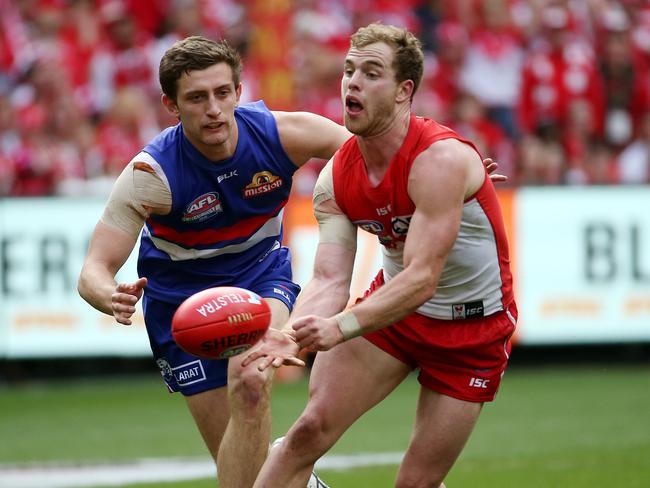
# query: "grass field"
(571, 427)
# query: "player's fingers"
(124, 298)
(264, 363)
(122, 320)
(252, 357)
(295, 362)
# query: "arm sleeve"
(138, 192)
(334, 226)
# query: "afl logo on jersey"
(371, 226)
(203, 208)
(263, 182)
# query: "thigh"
(441, 428)
(349, 379)
(211, 413)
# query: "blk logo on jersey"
(225, 176)
(203, 208)
(263, 182)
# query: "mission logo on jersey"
(202, 208)
(263, 182)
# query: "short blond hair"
(409, 58)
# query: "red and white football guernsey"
(476, 279)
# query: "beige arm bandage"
(137, 193)
(333, 225)
(348, 324)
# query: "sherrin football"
(220, 322)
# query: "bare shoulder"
(305, 135)
(447, 161)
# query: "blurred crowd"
(558, 91)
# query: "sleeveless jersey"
(226, 216)
(476, 279)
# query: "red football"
(220, 322)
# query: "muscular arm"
(305, 136)
(328, 291)
(137, 192)
(440, 179)
(109, 249)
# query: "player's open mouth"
(352, 105)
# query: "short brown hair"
(195, 53)
(409, 59)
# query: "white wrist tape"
(348, 324)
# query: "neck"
(378, 150)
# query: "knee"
(249, 389)
(309, 435)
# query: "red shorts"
(463, 359)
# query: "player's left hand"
(491, 166)
(276, 348)
(317, 333)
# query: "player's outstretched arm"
(328, 291)
(108, 251)
(137, 192)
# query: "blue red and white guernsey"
(225, 225)
(476, 280)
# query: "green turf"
(550, 427)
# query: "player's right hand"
(276, 348)
(124, 298)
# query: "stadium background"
(558, 91)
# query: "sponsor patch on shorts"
(467, 310)
(189, 373)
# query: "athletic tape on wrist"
(348, 324)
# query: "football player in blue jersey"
(206, 198)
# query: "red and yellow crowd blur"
(558, 91)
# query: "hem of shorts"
(454, 394)
(196, 391)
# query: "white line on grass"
(153, 470)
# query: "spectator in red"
(625, 78)
(444, 76)
(122, 60)
(492, 66)
(559, 68)
(470, 121)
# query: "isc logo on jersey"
(202, 208)
(263, 182)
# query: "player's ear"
(405, 91)
(170, 105)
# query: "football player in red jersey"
(443, 302)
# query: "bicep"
(437, 186)
(305, 136)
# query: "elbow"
(81, 288)
(426, 282)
